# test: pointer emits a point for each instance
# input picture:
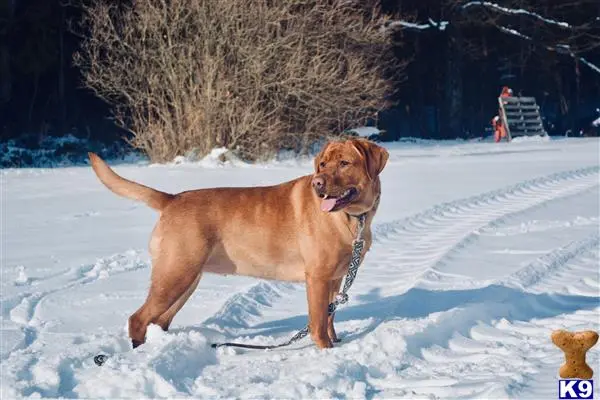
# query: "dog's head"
(347, 175)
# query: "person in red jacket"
(506, 92)
(499, 128)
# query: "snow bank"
(166, 366)
(365, 131)
(529, 139)
(59, 152)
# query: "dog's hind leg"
(174, 277)
(164, 321)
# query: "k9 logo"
(575, 389)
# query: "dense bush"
(251, 76)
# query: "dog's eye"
(322, 164)
(344, 163)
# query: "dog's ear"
(320, 155)
(375, 156)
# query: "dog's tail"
(126, 188)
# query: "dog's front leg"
(317, 290)
(335, 288)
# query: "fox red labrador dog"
(301, 230)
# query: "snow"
(589, 64)
(441, 25)
(22, 278)
(480, 251)
(533, 138)
(514, 32)
(365, 131)
(59, 151)
(516, 11)
(212, 159)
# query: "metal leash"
(341, 298)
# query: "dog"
(300, 231)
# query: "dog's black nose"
(318, 182)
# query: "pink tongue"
(328, 204)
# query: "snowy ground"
(480, 251)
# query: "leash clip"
(358, 242)
(341, 298)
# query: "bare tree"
(252, 76)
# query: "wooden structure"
(520, 116)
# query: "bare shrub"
(254, 76)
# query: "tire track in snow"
(243, 308)
(22, 309)
(510, 296)
(422, 245)
(547, 266)
(478, 330)
(53, 376)
(504, 331)
(419, 245)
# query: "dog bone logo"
(575, 345)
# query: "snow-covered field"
(480, 251)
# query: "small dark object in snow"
(100, 359)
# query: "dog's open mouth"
(333, 203)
